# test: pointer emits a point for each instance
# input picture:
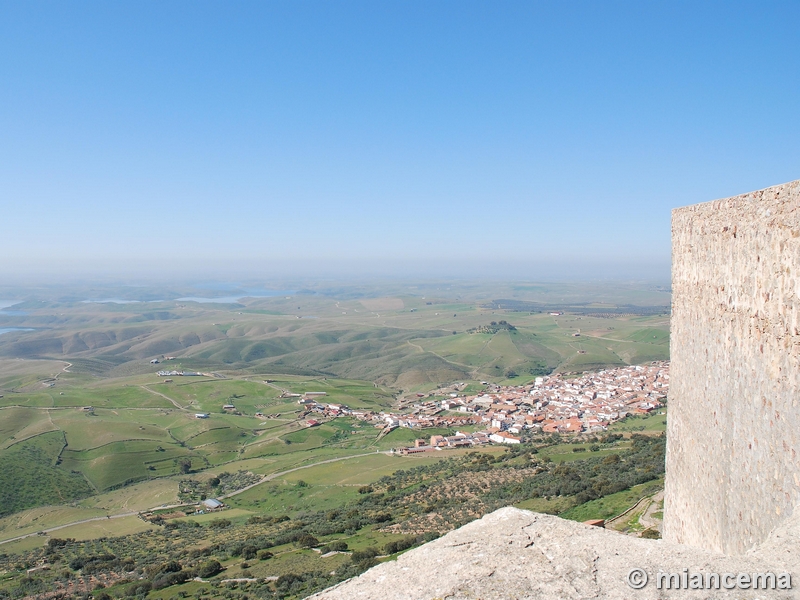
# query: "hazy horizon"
(337, 271)
(450, 139)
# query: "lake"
(236, 299)
(10, 329)
(115, 301)
(6, 304)
(200, 299)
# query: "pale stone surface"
(734, 424)
(517, 554)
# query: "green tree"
(209, 569)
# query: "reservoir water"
(10, 329)
(220, 300)
(5, 309)
(236, 299)
(200, 299)
(115, 301)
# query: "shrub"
(219, 524)
(307, 541)
(365, 554)
(399, 545)
(54, 543)
(336, 546)
(138, 588)
(651, 534)
(171, 578)
(287, 579)
(209, 569)
(172, 566)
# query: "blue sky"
(532, 138)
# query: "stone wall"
(733, 473)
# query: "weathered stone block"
(733, 473)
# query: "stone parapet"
(733, 431)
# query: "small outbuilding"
(596, 522)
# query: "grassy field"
(613, 504)
(328, 485)
(37, 519)
(32, 477)
(565, 452)
(132, 434)
(654, 423)
(105, 528)
(135, 497)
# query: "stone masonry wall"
(733, 473)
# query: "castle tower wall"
(733, 470)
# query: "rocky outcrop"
(518, 554)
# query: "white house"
(504, 438)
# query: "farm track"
(647, 520)
(64, 369)
(648, 505)
(174, 402)
(133, 514)
(473, 371)
(292, 470)
(276, 387)
(51, 529)
(600, 337)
